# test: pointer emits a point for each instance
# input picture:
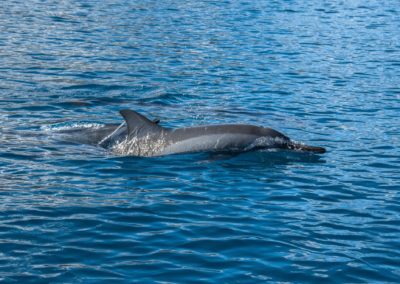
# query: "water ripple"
(324, 73)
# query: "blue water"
(325, 73)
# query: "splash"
(65, 126)
(145, 146)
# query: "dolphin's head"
(284, 142)
(272, 133)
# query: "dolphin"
(140, 136)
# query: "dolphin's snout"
(307, 148)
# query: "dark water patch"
(73, 104)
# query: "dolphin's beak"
(306, 148)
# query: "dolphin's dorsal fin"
(138, 124)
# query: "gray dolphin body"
(140, 136)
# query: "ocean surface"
(323, 72)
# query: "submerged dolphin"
(140, 136)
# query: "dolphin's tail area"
(306, 148)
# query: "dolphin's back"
(224, 129)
